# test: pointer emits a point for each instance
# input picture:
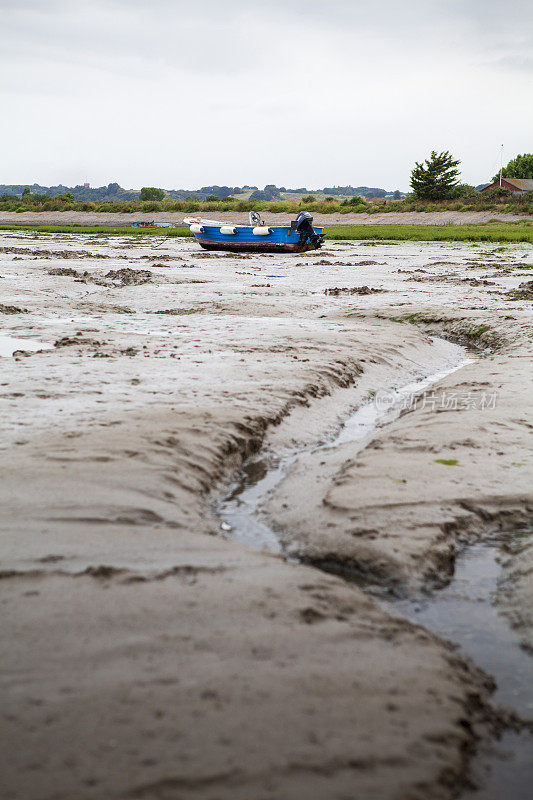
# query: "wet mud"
(145, 651)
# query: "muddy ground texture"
(145, 653)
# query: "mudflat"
(146, 652)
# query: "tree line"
(433, 181)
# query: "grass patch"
(112, 230)
(448, 462)
(476, 232)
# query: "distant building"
(86, 185)
(516, 185)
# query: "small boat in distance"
(152, 225)
(297, 237)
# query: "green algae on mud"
(477, 336)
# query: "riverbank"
(146, 653)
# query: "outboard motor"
(255, 219)
(303, 224)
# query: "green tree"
(519, 167)
(151, 193)
(26, 192)
(436, 177)
(465, 192)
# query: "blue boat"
(256, 237)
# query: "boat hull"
(255, 247)
(277, 240)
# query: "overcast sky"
(317, 93)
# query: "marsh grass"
(478, 232)
(112, 230)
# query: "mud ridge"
(106, 572)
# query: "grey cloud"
(238, 77)
(129, 35)
(236, 36)
(515, 62)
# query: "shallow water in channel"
(239, 509)
(464, 612)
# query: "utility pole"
(501, 165)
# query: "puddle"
(9, 344)
(465, 613)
